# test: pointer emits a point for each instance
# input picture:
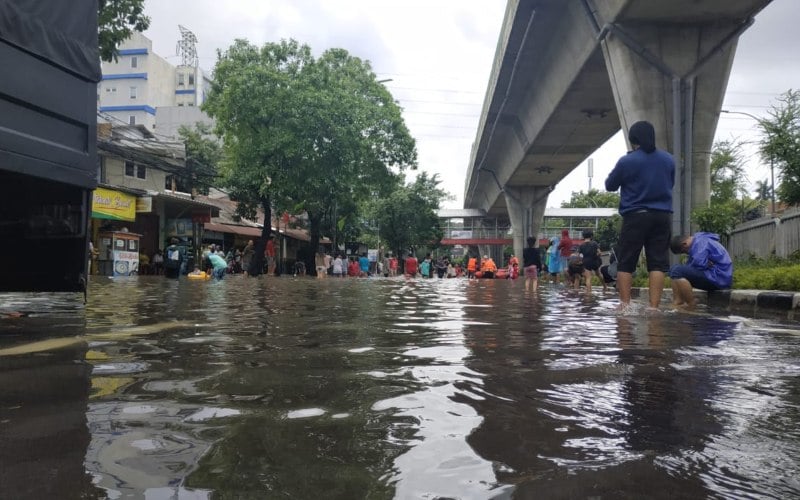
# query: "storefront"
(113, 211)
(155, 217)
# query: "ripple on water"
(440, 388)
(305, 413)
(211, 413)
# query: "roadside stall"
(118, 253)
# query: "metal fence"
(765, 237)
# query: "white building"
(140, 82)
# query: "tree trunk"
(314, 230)
(256, 267)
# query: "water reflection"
(261, 388)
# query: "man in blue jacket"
(708, 267)
(645, 177)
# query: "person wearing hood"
(708, 267)
(645, 177)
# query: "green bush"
(758, 274)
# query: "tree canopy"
(407, 217)
(780, 145)
(728, 204)
(116, 21)
(592, 199)
(305, 134)
(203, 154)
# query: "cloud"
(439, 55)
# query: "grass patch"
(758, 274)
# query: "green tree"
(607, 233)
(780, 145)
(763, 190)
(116, 21)
(727, 205)
(592, 199)
(407, 217)
(203, 154)
(728, 176)
(305, 134)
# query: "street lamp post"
(771, 159)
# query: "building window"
(134, 170)
(181, 79)
(191, 79)
(113, 89)
(133, 92)
(132, 120)
(134, 62)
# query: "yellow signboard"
(110, 204)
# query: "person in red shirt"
(411, 265)
(353, 269)
(392, 266)
(564, 251)
(269, 253)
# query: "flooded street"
(387, 388)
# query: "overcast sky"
(439, 54)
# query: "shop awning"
(233, 229)
(187, 205)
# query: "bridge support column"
(674, 76)
(525, 210)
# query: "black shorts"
(649, 229)
(591, 264)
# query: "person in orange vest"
(488, 267)
(472, 266)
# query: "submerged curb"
(757, 301)
(746, 302)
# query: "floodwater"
(387, 388)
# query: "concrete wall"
(152, 76)
(170, 118)
(766, 237)
(115, 175)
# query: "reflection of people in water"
(668, 407)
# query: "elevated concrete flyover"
(569, 73)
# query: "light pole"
(771, 160)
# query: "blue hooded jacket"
(708, 254)
(645, 176)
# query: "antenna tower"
(187, 47)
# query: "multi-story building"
(140, 82)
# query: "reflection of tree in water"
(298, 360)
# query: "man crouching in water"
(708, 267)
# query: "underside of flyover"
(569, 74)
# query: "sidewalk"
(754, 303)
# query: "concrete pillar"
(674, 76)
(525, 210)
